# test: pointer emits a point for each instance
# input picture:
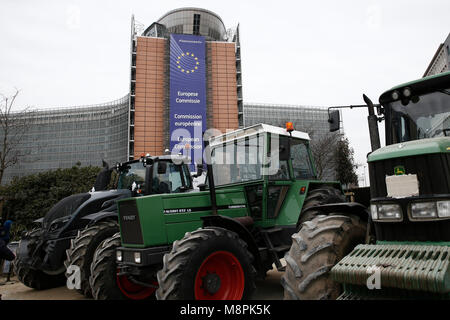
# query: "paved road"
(269, 289)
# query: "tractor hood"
(411, 148)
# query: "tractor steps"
(274, 250)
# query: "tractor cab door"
(289, 160)
(279, 177)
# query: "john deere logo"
(187, 62)
(399, 170)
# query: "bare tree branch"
(13, 128)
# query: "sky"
(315, 53)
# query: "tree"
(323, 149)
(13, 127)
(345, 164)
(30, 197)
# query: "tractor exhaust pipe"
(372, 119)
(209, 174)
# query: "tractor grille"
(130, 225)
(433, 174)
(432, 170)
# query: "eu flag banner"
(187, 95)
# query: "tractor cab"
(155, 175)
(263, 160)
(417, 110)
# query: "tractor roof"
(421, 86)
(171, 157)
(255, 129)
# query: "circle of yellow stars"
(191, 56)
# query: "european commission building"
(184, 46)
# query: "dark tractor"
(70, 232)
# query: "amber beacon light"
(289, 126)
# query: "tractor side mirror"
(334, 120)
(162, 167)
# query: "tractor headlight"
(119, 255)
(391, 212)
(430, 210)
(424, 210)
(443, 209)
(137, 257)
(374, 211)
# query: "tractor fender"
(318, 184)
(344, 207)
(100, 216)
(239, 227)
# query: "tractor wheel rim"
(134, 291)
(220, 277)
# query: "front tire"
(34, 278)
(207, 264)
(104, 280)
(316, 248)
(82, 249)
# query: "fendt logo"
(129, 218)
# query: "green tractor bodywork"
(261, 178)
(410, 200)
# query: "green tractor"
(213, 243)
(409, 255)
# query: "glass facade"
(313, 120)
(194, 21)
(307, 119)
(59, 138)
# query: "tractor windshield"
(168, 177)
(132, 177)
(238, 161)
(421, 117)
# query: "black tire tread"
(315, 249)
(82, 249)
(105, 253)
(324, 194)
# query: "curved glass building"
(194, 21)
(186, 60)
(62, 137)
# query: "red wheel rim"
(220, 277)
(134, 291)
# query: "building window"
(196, 25)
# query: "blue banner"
(187, 95)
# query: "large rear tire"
(324, 194)
(104, 280)
(82, 249)
(316, 248)
(207, 264)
